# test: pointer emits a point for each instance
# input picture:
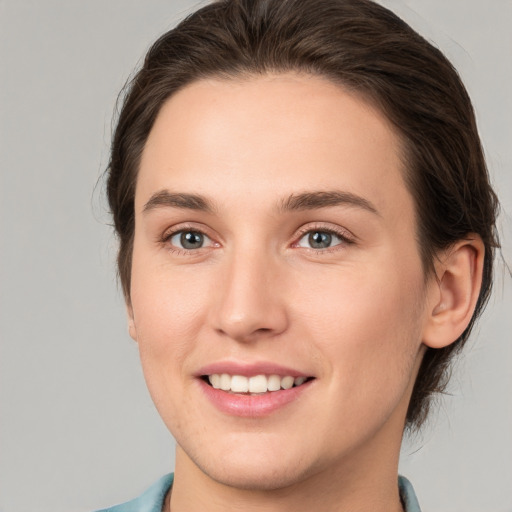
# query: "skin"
(356, 316)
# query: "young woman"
(306, 234)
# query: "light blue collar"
(407, 495)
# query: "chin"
(253, 470)
(255, 477)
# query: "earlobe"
(131, 323)
(455, 293)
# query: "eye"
(318, 239)
(189, 240)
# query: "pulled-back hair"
(367, 50)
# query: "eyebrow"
(294, 202)
(164, 198)
(324, 199)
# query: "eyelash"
(168, 235)
(344, 236)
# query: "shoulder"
(150, 501)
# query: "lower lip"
(252, 406)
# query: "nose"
(250, 301)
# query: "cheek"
(368, 327)
(168, 311)
(165, 338)
(168, 305)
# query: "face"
(278, 296)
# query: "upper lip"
(249, 369)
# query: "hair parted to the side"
(366, 49)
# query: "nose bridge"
(250, 302)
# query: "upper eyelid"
(174, 233)
(186, 226)
(328, 228)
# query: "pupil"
(191, 240)
(319, 240)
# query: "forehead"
(297, 132)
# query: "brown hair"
(365, 48)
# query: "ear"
(131, 322)
(454, 294)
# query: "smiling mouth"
(255, 385)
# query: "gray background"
(78, 430)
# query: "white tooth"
(215, 380)
(239, 384)
(287, 382)
(274, 383)
(258, 384)
(299, 380)
(225, 382)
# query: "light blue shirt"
(153, 499)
